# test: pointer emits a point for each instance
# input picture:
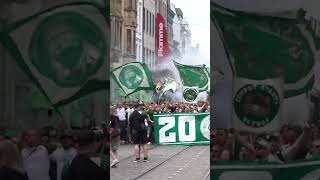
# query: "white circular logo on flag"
(205, 127)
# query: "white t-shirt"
(62, 157)
(36, 162)
(129, 111)
(121, 112)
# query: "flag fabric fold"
(269, 45)
(63, 50)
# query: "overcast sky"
(197, 13)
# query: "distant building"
(171, 15)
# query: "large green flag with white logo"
(133, 77)
(194, 76)
(64, 49)
(269, 45)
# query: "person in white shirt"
(64, 155)
(129, 111)
(35, 157)
(121, 112)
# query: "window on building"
(148, 22)
(143, 21)
(134, 41)
(120, 38)
(144, 55)
(117, 33)
(153, 26)
(129, 42)
(130, 4)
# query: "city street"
(166, 162)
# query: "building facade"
(148, 21)
(171, 15)
(176, 30)
(139, 32)
(116, 19)
(129, 31)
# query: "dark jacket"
(114, 123)
(7, 173)
(82, 168)
(136, 122)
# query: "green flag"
(38, 100)
(64, 49)
(194, 76)
(264, 46)
(133, 77)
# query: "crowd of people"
(133, 123)
(291, 143)
(124, 110)
(53, 154)
(59, 153)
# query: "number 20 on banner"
(170, 122)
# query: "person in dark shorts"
(138, 133)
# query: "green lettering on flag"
(133, 77)
(194, 76)
(64, 49)
(264, 46)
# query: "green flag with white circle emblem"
(190, 94)
(194, 76)
(133, 77)
(257, 105)
(266, 45)
(64, 49)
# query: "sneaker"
(114, 163)
(136, 160)
(145, 160)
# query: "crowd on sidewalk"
(54, 154)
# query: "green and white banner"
(182, 128)
(257, 104)
(64, 49)
(194, 76)
(266, 45)
(190, 94)
(232, 170)
(133, 77)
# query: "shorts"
(114, 143)
(140, 137)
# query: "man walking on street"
(138, 133)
